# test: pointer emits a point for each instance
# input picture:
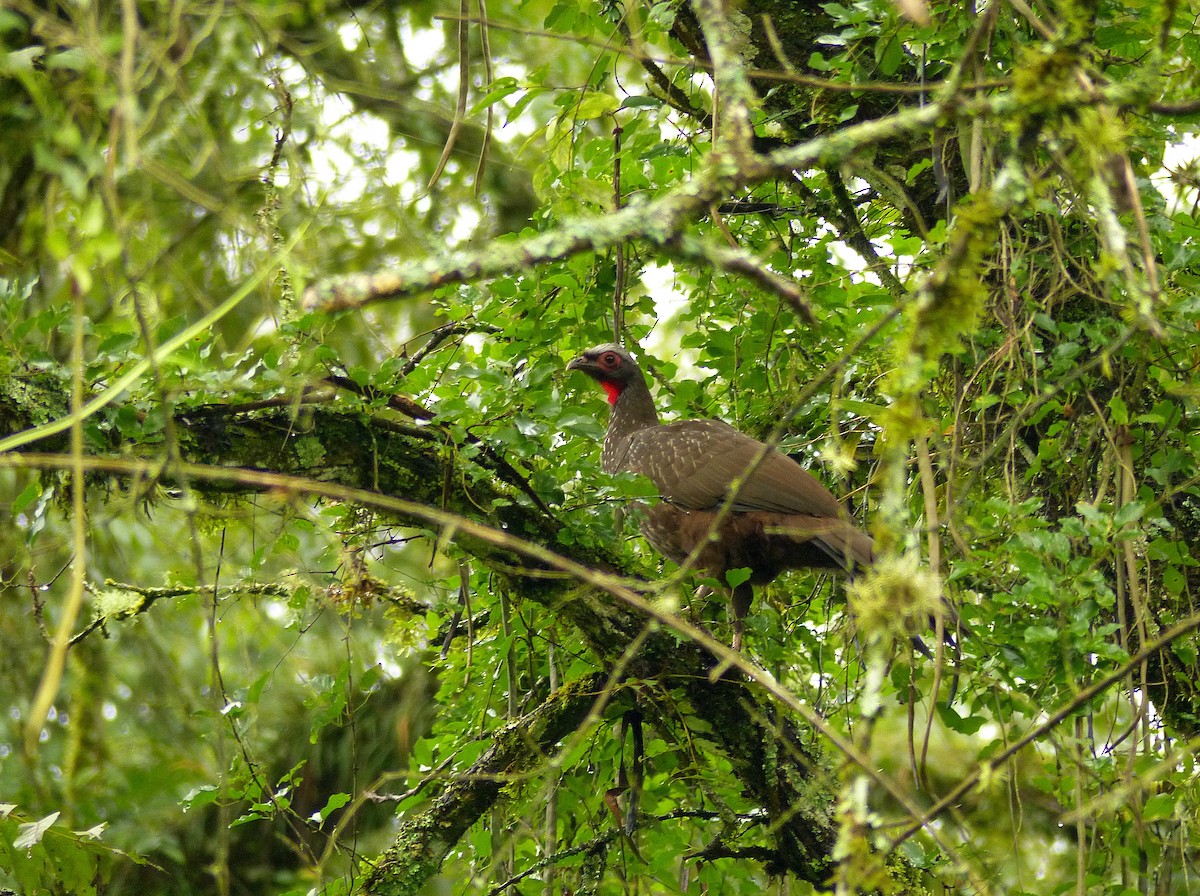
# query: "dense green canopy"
(312, 581)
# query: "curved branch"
(423, 842)
(660, 221)
(748, 717)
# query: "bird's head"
(611, 366)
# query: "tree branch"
(764, 750)
(660, 221)
(517, 749)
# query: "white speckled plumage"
(781, 516)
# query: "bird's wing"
(694, 462)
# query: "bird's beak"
(580, 363)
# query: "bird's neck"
(633, 410)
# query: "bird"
(731, 500)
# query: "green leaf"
(499, 89)
(596, 105)
(20, 60)
(1119, 411)
(869, 409)
(117, 344)
(28, 495)
(962, 724)
(74, 59)
(1129, 514)
(335, 802)
(891, 56)
(128, 422)
(736, 577)
(198, 797)
(644, 101)
(1159, 807)
(1041, 634)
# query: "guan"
(778, 515)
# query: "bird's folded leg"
(739, 605)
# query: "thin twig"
(609, 583)
(485, 45)
(989, 767)
(738, 261)
(619, 249)
(464, 87)
(658, 221)
(757, 74)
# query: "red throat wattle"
(613, 390)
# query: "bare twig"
(828, 84)
(619, 249)
(485, 45)
(1182, 109)
(658, 222)
(464, 87)
(738, 261)
(989, 767)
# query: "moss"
(1053, 100)
(31, 400)
(113, 603)
(408, 864)
(309, 450)
(952, 297)
(945, 313)
(895, 600)
(421, 845)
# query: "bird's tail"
(847, 546)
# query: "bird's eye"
(609, 359)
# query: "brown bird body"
(779, 516)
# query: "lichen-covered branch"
(516, 751)
(741, 719)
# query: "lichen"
(117, 603)
(309, 451)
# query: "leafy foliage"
(311, 555)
